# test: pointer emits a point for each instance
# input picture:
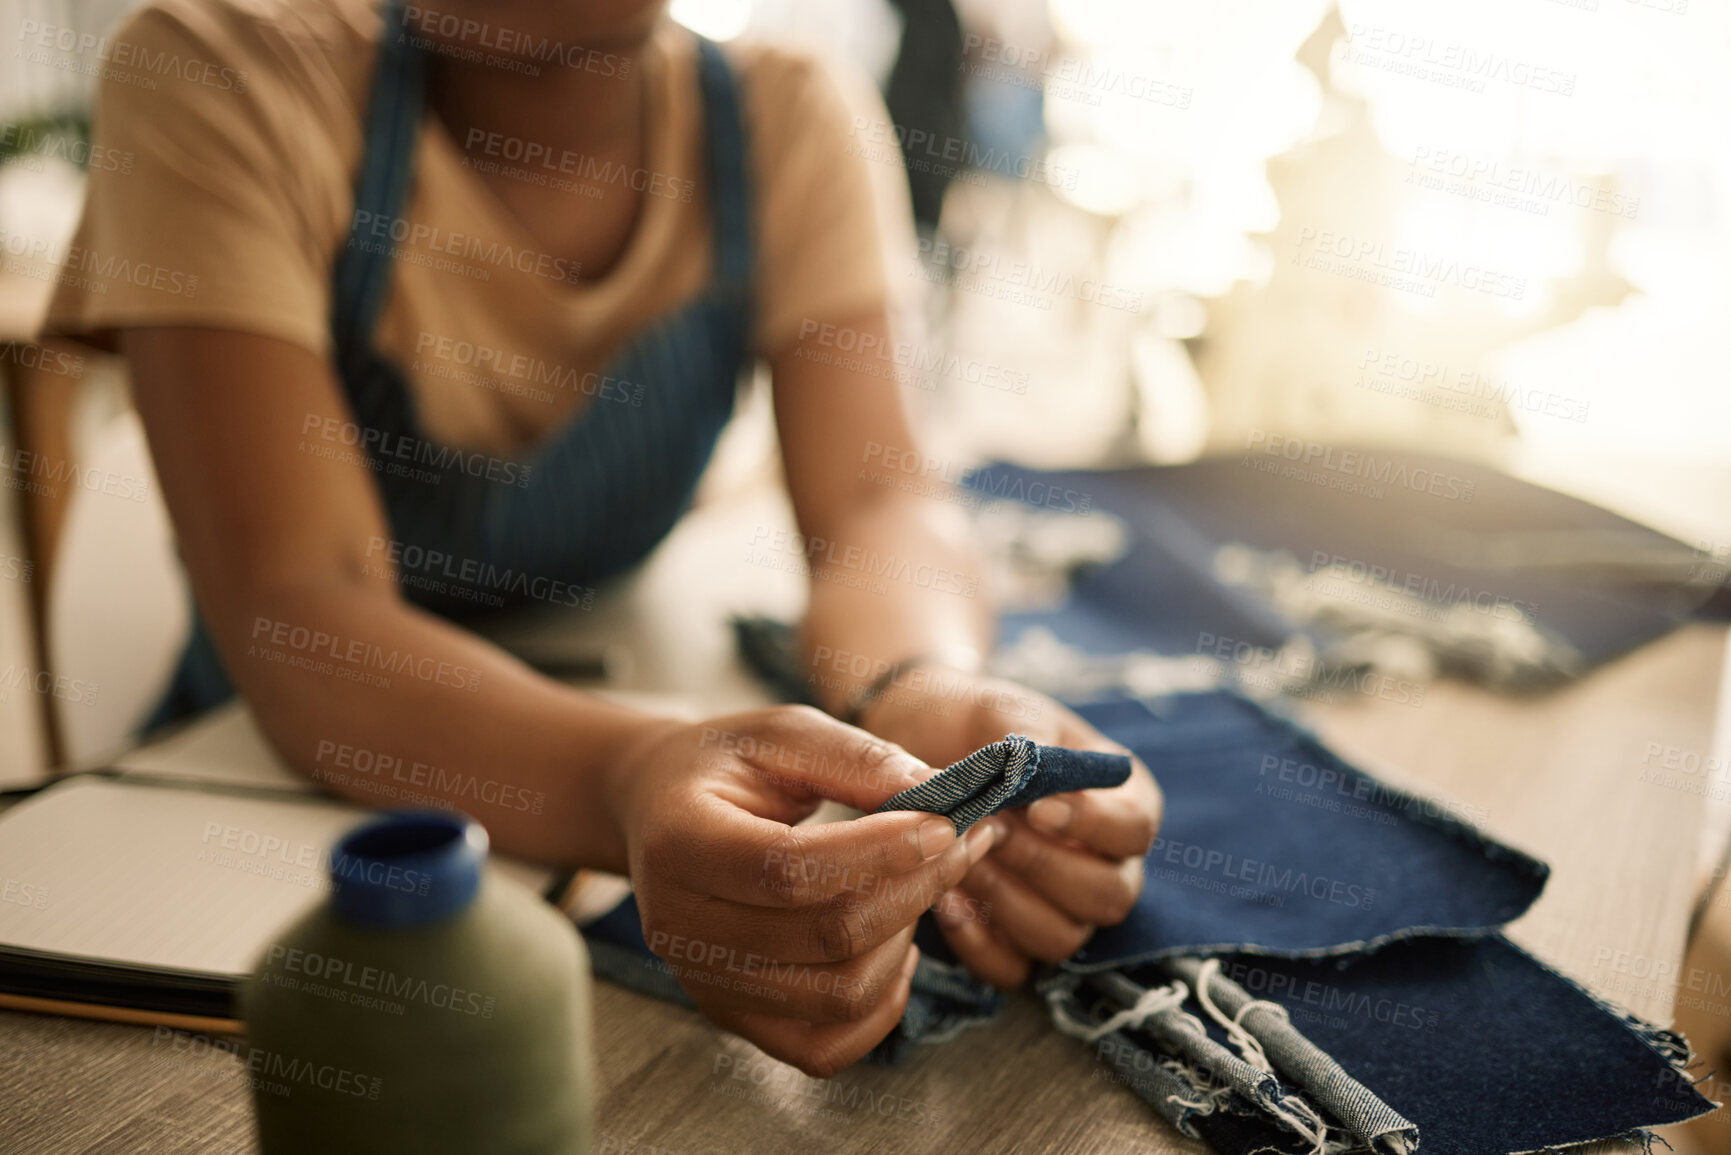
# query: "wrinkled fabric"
(1370, 916)
(1272, 842)
(1587, 584)
(1482, 1048)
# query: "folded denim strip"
(1273, 1038)
(1154, 1079)
(1014, 772)
(1213, 1079)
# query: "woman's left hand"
(1059, 868)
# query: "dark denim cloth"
(1271, 841)
(1484, 1049)
(1386, 911)
(1597, 581)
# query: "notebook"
(149, 899)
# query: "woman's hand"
(799, 938)
(1059, 868)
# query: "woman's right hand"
(798, 938)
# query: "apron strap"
(393, 125)
(729, 180)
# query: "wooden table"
(1558, 776)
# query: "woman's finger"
(992, 959)
(1024, 917)
(800, 749)
(863, 911)
(820, 1050)
(1117, 823)
(749, 982)
(1090, 888)
(716, 848)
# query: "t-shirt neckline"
(656, 216)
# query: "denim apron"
(593, 496)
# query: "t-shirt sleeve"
(835, 239)
(192, 217)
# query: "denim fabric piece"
(1167, 1058)
(1016, 771)
(1271, 846)
(1600, 582)
(1272, 842)
(1483, 1048)
(1265, 1032)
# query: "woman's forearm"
(892, 578)
(388, 705)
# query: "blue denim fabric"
(1481, 1047)
(1272, 842)
(1016, 771)
(1178, 516)
(1379, 904)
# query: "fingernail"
(934, 836)
(1132, 870)
(980, 840)
(1050, 815)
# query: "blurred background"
(1151, 231)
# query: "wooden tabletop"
(1559, 776)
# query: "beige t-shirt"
(240, 122)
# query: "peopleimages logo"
(398, 453)
(1358, 464)
(350, 868)
(375, 981)
(351, 658)
(508, 44)
(30, 141)
(382, 234)
(1264, 877)
(123, 57)
(422, 568)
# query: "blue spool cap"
(407, 868)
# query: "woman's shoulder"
(796, 96)
(242, 35)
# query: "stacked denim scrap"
(1362, 996)
(1346, 935)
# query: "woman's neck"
(590, 104)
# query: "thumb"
(807, 752)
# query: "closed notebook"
(158, 896)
